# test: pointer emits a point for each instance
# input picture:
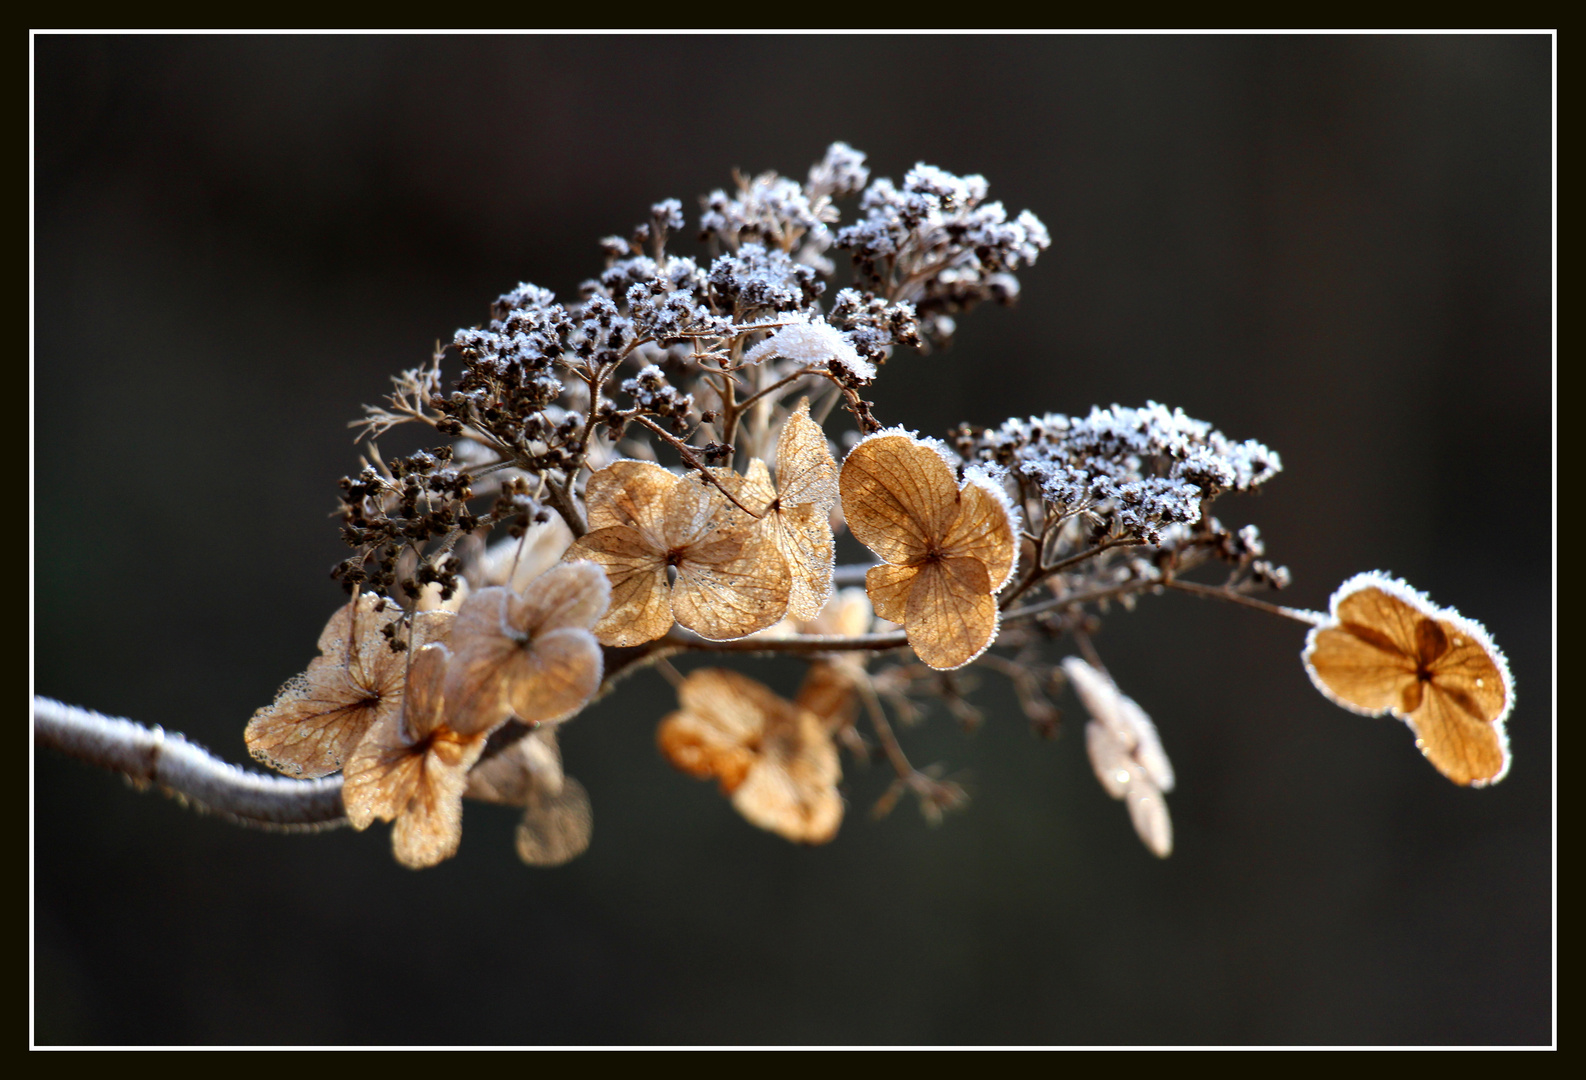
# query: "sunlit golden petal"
(805, 469)
(1452, 732)
(1364, 676)
(430, 827)
(984, 529)
(898, 496)
(1388, 648)
(828, 693)
(888, 589)
(731, 588)
(951, 616)
(381, 775)
(772, 800)
(804, 537)
(556, 828)
(640, 610)
(722, 719)
(629, 493)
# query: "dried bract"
(318, 717)
(557, 818)
(412, 767)
(776, 760)
(532, 655)
(731, 578)
(1388, 649)
(806, 490)
(1126, 754)
(946, 548)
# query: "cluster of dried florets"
(659, 457)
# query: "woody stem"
(693, 461)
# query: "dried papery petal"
(320, 716)
(899, 497)
(1125, 778)
(1118, 713)
(719, 726)
(532, 655)
(792, 790)
(946, 549)
(556, 828)
(516, 562)
(806, 490)
(806, 472)
(776, 759)
(1388, 649)
(413, 768)
(534, 761)
(951, 615)
(731, 578)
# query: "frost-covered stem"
(186, 771)
(1309, 618)
(686, 452)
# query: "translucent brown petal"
(898, 496)
(951, 615)
(318, 717)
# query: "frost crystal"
(813, 343)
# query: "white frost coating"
(1124, 720)
(813, 343)
(943, 451)
(1415, 598)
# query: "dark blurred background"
(1339, 246)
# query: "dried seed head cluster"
(645, 472)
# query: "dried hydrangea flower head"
(1126, 754)
(946, 548)
(530, 655)
(800, 513)
(731, 580)
(557, 818)
(776, 760)
(1388, 649)
(319, 717)
(413, 766)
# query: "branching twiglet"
(647, 471)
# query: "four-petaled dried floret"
(775, 759)
(1386, 648)
(946, 548)
(1125, 753)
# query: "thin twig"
(1309, 618)
(692, 459)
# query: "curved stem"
(1309, 618)
(186, 771)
